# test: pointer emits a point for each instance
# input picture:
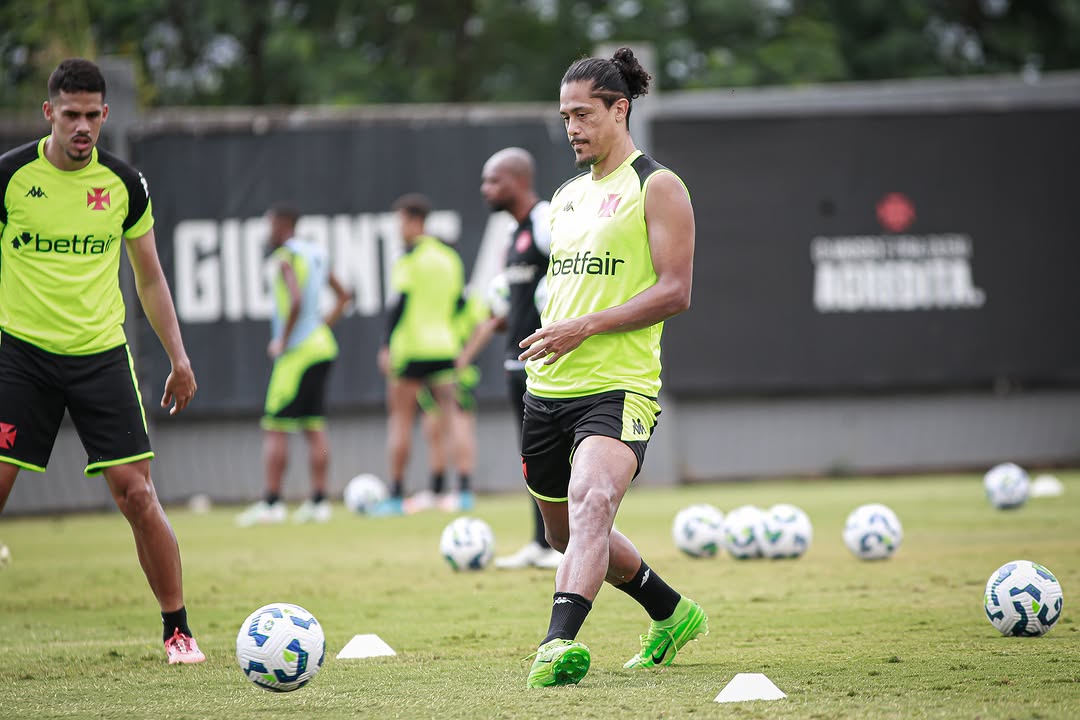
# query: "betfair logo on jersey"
(75, 245)
(586, 264)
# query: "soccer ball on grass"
(467, 543)
(698, 530)
(364, 492)
(1007, 486)
(743, 529)
(280, 647)
(787, 532)
(1023, 598)
(873, 532)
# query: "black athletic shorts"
(99, 391)
(552, 430)
(433, 371)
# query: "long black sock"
(568, 612)
(652, 593)
(273, 498)
(464, 482)
(397, 488)
(438, 482)
(318, 496)
(175, 620)
(538, 526)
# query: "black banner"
(878, 252)
(211, 189)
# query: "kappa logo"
(569, 206)
(98, 198)
(560, 600)
(637, 427)
(35, 192)
(645, 578)
(609, 206)
(7, 436)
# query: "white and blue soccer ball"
(698, 530)
(744, 528)
(1023, 598)
(467, 543)
(1007, 486)
(873, 532)
(364, 492)
(787, 532)
(5, 555)
(280, 647)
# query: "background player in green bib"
(622, 255)
(66, 210)
(421, 345)
(303, 349)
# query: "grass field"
(903, 638)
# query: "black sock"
(568, 612)
(318, 496)
(438, 482)
(538, 526)
(464, 481)
(273, 498)
(397, 488)
(652, 593)
(175, 620)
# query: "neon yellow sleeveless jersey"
(599, 259)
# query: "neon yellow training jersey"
(599, 259)
(60, 241)
(432, 277)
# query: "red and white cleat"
(182, 648)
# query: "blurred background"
(884, 195)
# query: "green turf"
(903, 638)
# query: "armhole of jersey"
(647, 169)
(10, 163)
(137, 192)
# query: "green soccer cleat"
(559, 662)
(667, 637)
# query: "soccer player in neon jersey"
(422, 343)
(303, 349)
(622, 254)
(66, 210)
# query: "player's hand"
(555, 340)
(275, 348)
(180, 387)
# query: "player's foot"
(420, 502)
(667, 637)
(559, 662)
(312, 512)
(532, 555)
(466, 501)
(183, 649)
(262, 513)
(456, 502)
(387, 508)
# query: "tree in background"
(284, 52)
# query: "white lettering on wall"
(222, 269)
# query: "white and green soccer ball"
(364, 492)
(1007, 486)
(498, 295)
(744, 528)
(698, 530)
(787, 532)
(873, 532)
(5, 555)
(467, 543)
(280, 647)
(1023, 598)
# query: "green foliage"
(263, 52)
(901, 638)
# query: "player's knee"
(136, 496)
(593, 505)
